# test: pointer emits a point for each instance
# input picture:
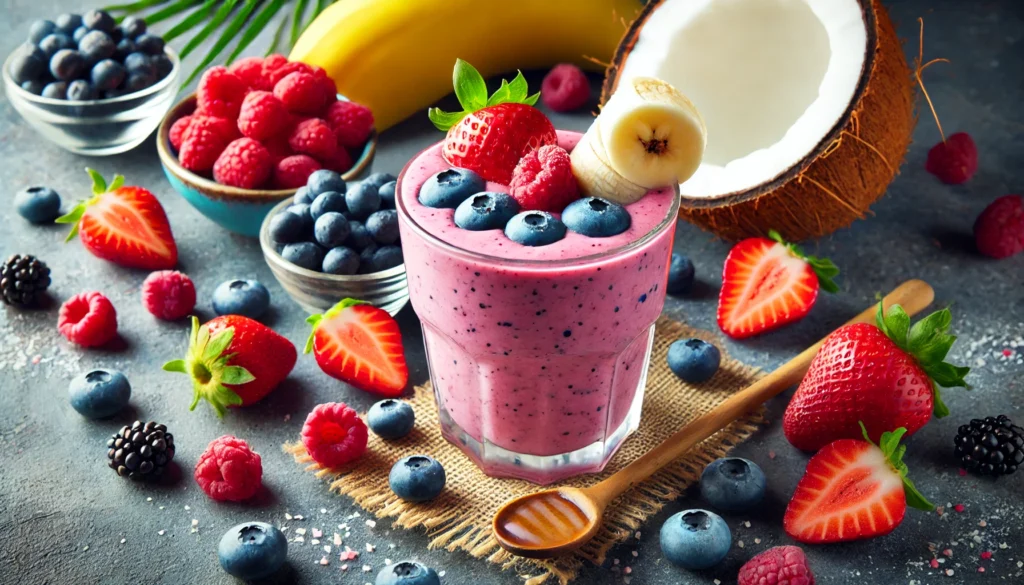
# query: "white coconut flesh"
(770, 77)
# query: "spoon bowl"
(548, 523)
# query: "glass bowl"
(97, 127)
(316, 292)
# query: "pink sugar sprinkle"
(959, 507)
(948, 552)
(934, 563)
(1007, 352)
(981, 569)
(771, 454)
(986, 555)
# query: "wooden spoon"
(559, 520)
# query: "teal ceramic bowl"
(238, 210)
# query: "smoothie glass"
(538, 365)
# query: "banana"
(396, 56)
(595, 176)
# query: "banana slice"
(595, 176)
(652, 134)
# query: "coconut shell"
(843, 175)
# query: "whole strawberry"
(492, 133)
(234, 361)
(125, 225)
(887, 375)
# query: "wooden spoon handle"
(912, 295)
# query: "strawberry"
(234, 361)
(853, 489)
(125, 225)
(360, 344)
(886, 374)
(767, 283)
(492, 133)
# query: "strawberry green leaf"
(314, 320)
(895, 324)
(73, 217)
(470, 87)
(823, 268)
(894, 452)
(99, 184)
(940, 410)
(532, 99)
(177, 366)
(443, 121)
(500, 95)
(518, 89)
(208, 367)
(471, 90)
(218, 344)
(914, 498)
(236, 375)
(116, 184)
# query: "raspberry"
(351, 122)
(177, 131)
(301, 93)
(245, 163)
(220, 93)
(203, 141)
(229, 471)
(327, 85)
(279, 73)
(262, 116)
(278, 148)
(334, 434)
(543, 180)
(88, 319)
(782, 565)
(250, 71)
(955, 160)
(168, 295)
(340, 162)
(315, 138)
(999, 230)
(565, 88)
(292, 172)
(270, 64)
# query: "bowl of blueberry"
(90, 85)
(337, 240)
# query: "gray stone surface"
(64, 515)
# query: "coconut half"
(795, 140)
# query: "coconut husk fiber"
(460, 518)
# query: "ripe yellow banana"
(396, 56)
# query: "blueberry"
(302, 211)
(79, 34)
(383, 226)
(362, 200)
(341, 260)
(132, 26)
(596, 218)
(387, 195)
(486, 211)
(151, 44)
(680, 275)
(331, 229)
(247, 298)
(80, 90)
(99, 20)
(68, 64)
(55, 42)
(366, 265)
(535, 228)
(162, 64)
(124, 48)
(304, 255)
(323, 181)
(107, 74)
(56, 90)
(139, 81)
(27, 65)
(695, 539)
(358, 237)
(327, 201)
(38, 204)
(732, 484)
(139, 64)
(302, 196)
(287, 227)
(417, 478)
(68, 22)
(34, 87)
(693, 360)
(387, 257)
(96, 46)
(252, 550)
(40, 29)
(447, 189)
(99, 393)
(391, 419)
(407, 573)
(378, 180)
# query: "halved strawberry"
(360, 344)
(767, 283)
(125, 225)
(853, 489)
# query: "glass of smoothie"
(538, 355)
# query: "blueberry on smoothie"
(694, 360)
(535, 228)
(341, 260)
(331, 229)
(362, 200)
(323, 181)
(417, 478)
(732, 484)
(248, 298)
(391, 419)
(305, 255)
(596, 217)
(695, 539)
(99, 393)
(327, 202)
(680, 275)
(486, 211)
(383, 226)
(407, 573)
(252, 550)
(37, 204)
(448, 188)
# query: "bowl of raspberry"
(254, 132)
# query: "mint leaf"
(443, 121)
(470, 87)
(518, 89)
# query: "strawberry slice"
(124, 225)
(360, 344)
(853, 489)
(767, 283)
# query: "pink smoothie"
(540, 351)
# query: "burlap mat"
(461, 517)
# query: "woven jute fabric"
(460, 519)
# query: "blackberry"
(23, 280)
(993, 446)
(141, 451)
